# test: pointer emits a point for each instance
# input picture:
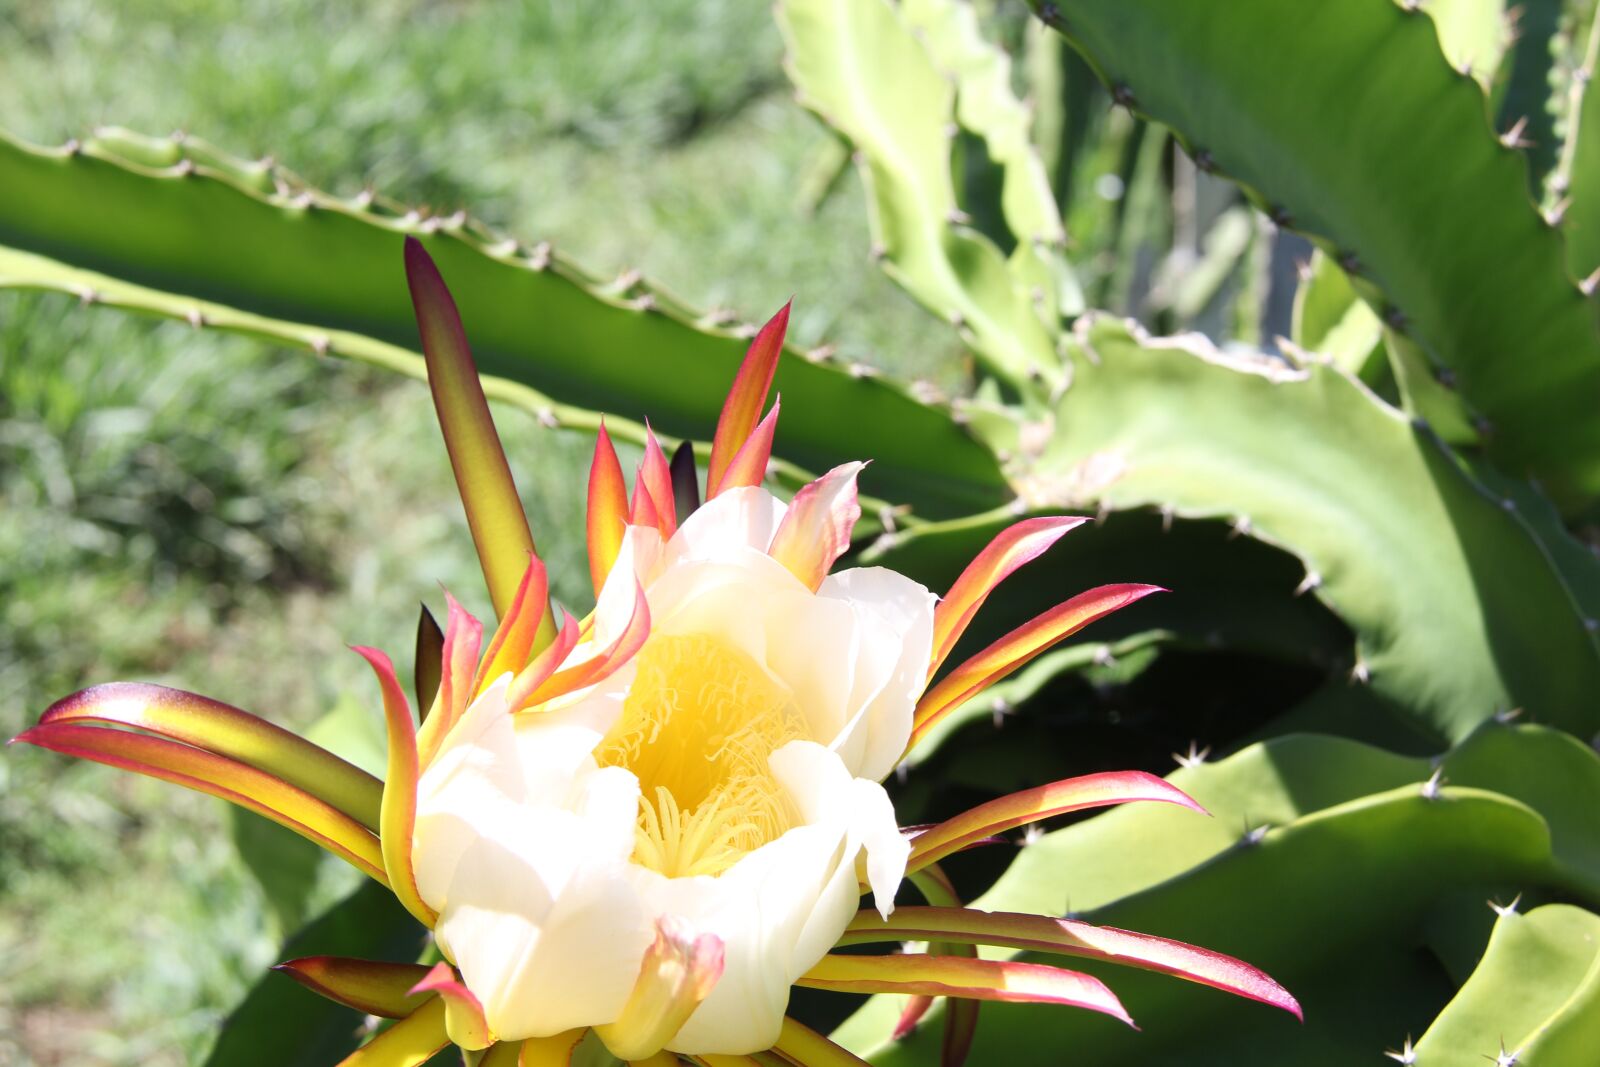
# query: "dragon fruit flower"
(653, 822)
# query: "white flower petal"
(888, 850)
(826, 794)
(726, 599)
(476, 767)
(895, 619)
(780, 908)
(522, 844)
(812, 645)
(739, 518)
(546, 929)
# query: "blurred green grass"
(212, 513)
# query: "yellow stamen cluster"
(697, 727)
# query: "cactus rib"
(1535, 994)
(202, 237)
(1460, 610)
(858, 67)
(1578, 173)
(1440, 221)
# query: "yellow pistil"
(698, 724)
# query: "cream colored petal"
(543, 919)
(886, 847)
(811, 646)
(680, 586)
(739, 518)
(838, 898)
(759, 908)
(477, 765)
(730, 599)
(895, 621)
(782, 907)
(826, 794)
(493, 758)
(607, 802)
(546, 933)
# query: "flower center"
(697, 726)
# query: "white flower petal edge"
(894, 624)
(522, 846)
(782, 907)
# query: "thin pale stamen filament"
(698, 726)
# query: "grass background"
(212, 513)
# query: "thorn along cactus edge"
(644, 826)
